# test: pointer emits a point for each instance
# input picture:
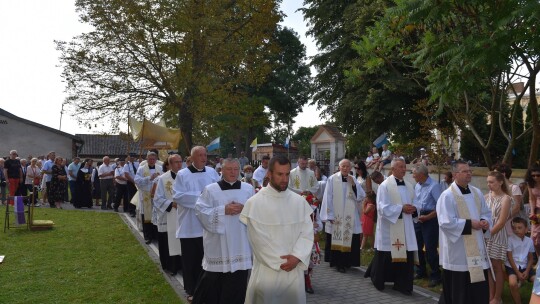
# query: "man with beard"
(280, 232)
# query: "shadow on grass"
(88, 257)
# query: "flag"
(381, 140)
(254, 144)
(286, 144)
(19, 211)
(214, 145)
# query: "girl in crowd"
(368, 219)
(248, 177)
(498, 200)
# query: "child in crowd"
(368, 218)
(520, 258)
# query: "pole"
(61, 113)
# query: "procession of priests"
(222, 229)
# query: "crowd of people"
(216, 222)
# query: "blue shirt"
(427, 194)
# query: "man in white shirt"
(302, 180)
(106, 176)
(188, 186)
(130, 169)
(260, 173)
(280, 232)
(395, 238)
(227, 254)
(386, 157)
(463, 216)
(121, 193)
(73, 169)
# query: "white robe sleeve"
(160, 199)
(140, 180)
(304, 244)
(212, 217)
(182, 195)
(447, 214)
(385, 208)
(327, 207)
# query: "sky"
(30, 82)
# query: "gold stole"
(344, 213)
(472, 251)
(398, 240)
(297, 182)
(147, 197)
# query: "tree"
(144, 57)
(302, 137)
(471, 52)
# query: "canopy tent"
(154, 136)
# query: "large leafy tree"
(147, 57)
(471, 52)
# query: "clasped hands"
(233, 208)
(480, 224)
(408, 209)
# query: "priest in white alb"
(145, 179)
(341, 209)
(280, 232)
(227, 254)
(165, 209)
(395, 239)
(302, 180)
(188, 186)
(463, 217)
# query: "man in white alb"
(341, 209)
(146, 179)
(165, 209)
(188, 186)
(280, 232)
(463, 216)
(302, 180)
(395, 239)
(227, 254)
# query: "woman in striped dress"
(499, 201)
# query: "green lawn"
(89, 257)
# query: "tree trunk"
(535, 142)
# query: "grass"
(367, 256)
(89, 257)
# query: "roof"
(101, 145)
(35, 124)
(332, 131)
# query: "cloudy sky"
(30, 83)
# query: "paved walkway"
(330, 286)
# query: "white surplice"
(144, 185)
(278, 223)
(327, 207)
(452, 254)
(187, 188)
(303, 180)
(166, 214)
(388, 213)
(225, 241)
(259, 174)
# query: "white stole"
(471, 245)
(147, 195)
(397, 231)
(344, 215)
(306, 182)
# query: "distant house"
(33, 139)
(328, 148)
(98, 145)
(272, 150)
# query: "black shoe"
(433, 283)
(115, 210)
(132, 214)
(148, 242)
(419, 276)
(342, 269)
(310, 290)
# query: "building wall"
(31, 140)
